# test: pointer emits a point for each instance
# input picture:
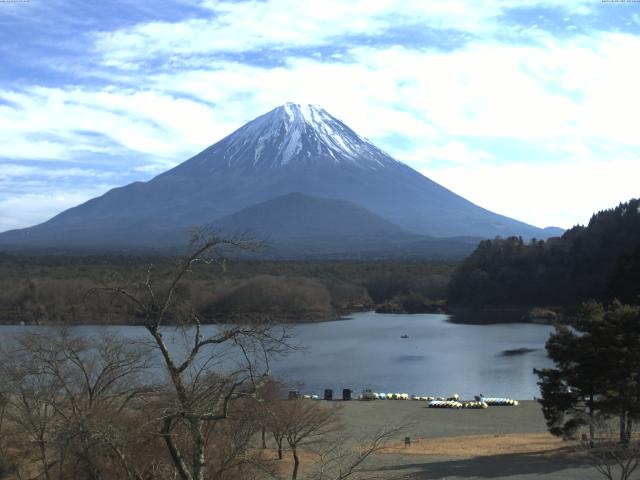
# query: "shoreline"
(457, 315)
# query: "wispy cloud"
(258, 25)
(72, 119)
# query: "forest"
(599, 261)
(39, 289)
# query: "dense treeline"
(53, 289)
(600, 261)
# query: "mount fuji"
(292, 149)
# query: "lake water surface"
(438, 358)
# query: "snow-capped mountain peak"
(295, 134)
(289, 153)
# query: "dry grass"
(283, 468)
(471, 446)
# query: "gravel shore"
(477, 439)
(436, 422)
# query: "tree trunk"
(61, 459)
(176, 456)
(43, 458)
(278, 440)
(91, 468)
(623, 429)
(198, 450)
(296, 463)
(264, 438)
(591, 420)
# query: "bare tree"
(7, 462)
(218, 367)
(346, 457)
(268, 399)
(315, 428)
(64, 391)
(275, 420)
(613, 459)
(30, 395)
(232, 454)
(304, 423)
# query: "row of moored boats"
(434, 402)
(480, 402)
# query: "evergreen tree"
(597, 369)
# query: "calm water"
(439, 358)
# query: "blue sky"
(526, 107)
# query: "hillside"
(299, 216)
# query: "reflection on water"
(438, 358)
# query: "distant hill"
(600, 261)
(299, 216)
(291, 149)
(298, 225)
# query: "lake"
(437, 358)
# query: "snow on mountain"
(298, 133)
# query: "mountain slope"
(290, 149)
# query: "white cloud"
(27, 209)
(547, 194)
(240, 27)
(254, 25)
(145, 122)
(571, 89)
(454, 152)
